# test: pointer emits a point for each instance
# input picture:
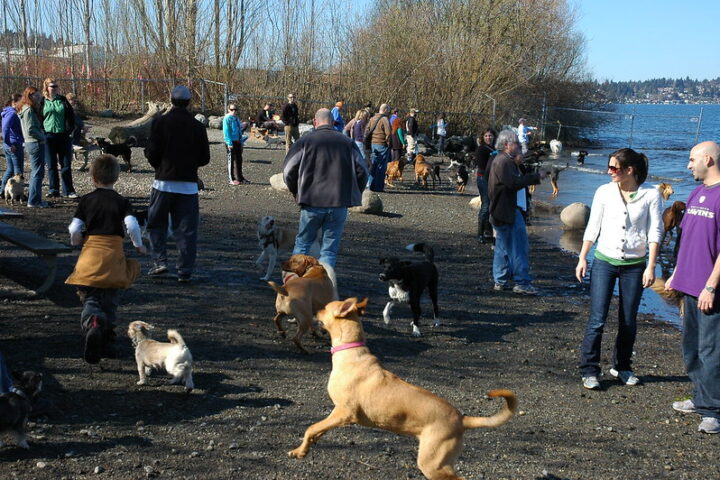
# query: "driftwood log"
(140, 128)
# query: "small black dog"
(408, 280)
(581, 157)
(16, 406)
(121, 150)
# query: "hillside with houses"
(662, 90)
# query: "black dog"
(408, 280)
(462, 178)
(16, 406)
(121, 150)
(581, 157)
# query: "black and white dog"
(15, 407)
(407, 281)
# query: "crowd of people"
(328, 169)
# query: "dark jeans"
(58, 149)
(15, 163)
(6, 382)
(484, 213)
(701, 352)
(184, 215)
(602, 282)
(441, 144)
(102, 302)
(36, 153)
(235, 161)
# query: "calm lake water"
(665, 133)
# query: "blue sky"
(643, 39)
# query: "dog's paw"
(24, 445)
(140, 382)
(386, 319)
(436, 322)
(297, 453)
(416, 331)
(265, 279)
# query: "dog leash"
(346, 346)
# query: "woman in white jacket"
(625, 224)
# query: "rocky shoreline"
(255, 394)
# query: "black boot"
(93, 339)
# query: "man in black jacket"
(508, 201)
(411, 132)
(291, 119)
(326, 173)
(178, 147)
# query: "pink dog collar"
(346, 346)
(289, 275)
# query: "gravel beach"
(256, 394)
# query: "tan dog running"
(364, 393)
(150, 354)
(672, 216)
(665, 190)
(302, 296)
(14, 189)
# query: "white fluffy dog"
(174, 357)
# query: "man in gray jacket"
(326, 173)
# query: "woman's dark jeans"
(602, 282)
(58, 149)
(484, 214)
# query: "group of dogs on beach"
(363, 392)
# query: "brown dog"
(394, 172)
(665, 190)
(672, 216)
(423, 170)
(365, 393)
(302, 296)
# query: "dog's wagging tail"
(500, 418)
(424, 248)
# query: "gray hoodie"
(30, 125)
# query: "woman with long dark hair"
(12, 139)
(484, 154)
(625, 226)
(34, 145)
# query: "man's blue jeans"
(380, 157)
(332, 223)
(59, 149)
(602, 283)
(701, 352)
(184, 216)
(14, 163)
(511, 260)
(36, 153)
(6, 383)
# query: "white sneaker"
(684, 406)
(709, 425)
(591, 383)
(627, 377)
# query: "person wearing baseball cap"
(178, 147)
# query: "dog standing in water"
(366, 394)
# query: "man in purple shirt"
(697, 275)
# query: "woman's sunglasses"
(614, 169)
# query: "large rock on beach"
(575, 216)
(278, 182)
(215, 122)
(202, 119)
(304, 128)
(371, 203)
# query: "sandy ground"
(255, 393)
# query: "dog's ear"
(361, 306)
(346, 308)
(16, 375)
(383, 261)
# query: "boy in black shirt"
(102, 268)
